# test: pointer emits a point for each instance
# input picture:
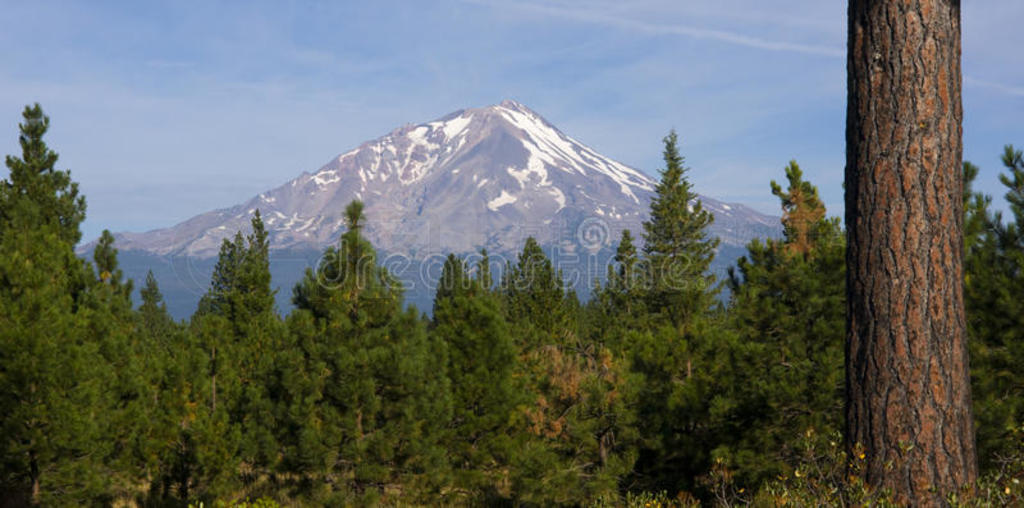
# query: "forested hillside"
(513, 391)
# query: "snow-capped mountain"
(481, 177)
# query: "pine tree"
(105, 257)
(483, 271)
(156, 322)
(677, 249)
(481, 365)
(534, 298)
(1014, 181)
(239, 333)
(208, 448)
(620, 305)
(625, 290)
(977, 221)
(994, 281)
(787, 309)
(107, 309)
(52, 443)
(674, 347)
(803, 212)
(36, 193)
(575, 425)
(373, 399)
(240, 287)
(168, 359)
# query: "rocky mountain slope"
(481, 177)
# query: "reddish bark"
(908, 390)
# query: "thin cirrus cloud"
(595, 16)
(1017, 91)
(589, 15)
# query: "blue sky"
(163, 111)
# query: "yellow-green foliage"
(263, 502)
(827, 477)
(649, 500)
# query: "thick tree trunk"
(907, 384)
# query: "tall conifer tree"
(678, 251)
(52, 440)
(156, 322)
(994, 281)
(481, 365)
(238, 333)
(575, 426)
(787, 309)
(374, 400)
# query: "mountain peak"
(512, 104)
(479, 177)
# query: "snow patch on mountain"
(325, 178)
(534, 167)
(559, 197)
(504, 199)
(480, 177)
(455, 126)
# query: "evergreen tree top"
(675, 236)
(240, 285)
(625, 256)
(483, 273)
(1014, 162)
(802, 210)
(35, 194)
(348, 282)
(105, 257)
(534, 272)
(453, 279)
(150, 292)
(534, 292)
(626, 251)
(678, 222)
(354, 215)
(107, 271)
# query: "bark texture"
(907, 382)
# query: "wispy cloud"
(728, 37)
(1017, 91)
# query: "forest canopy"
(512, 392)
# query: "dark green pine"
(53, 443)
(787, 311)
(373, 398)
(678, 251)
(535, 298)
(994, 281)
(482, 359)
